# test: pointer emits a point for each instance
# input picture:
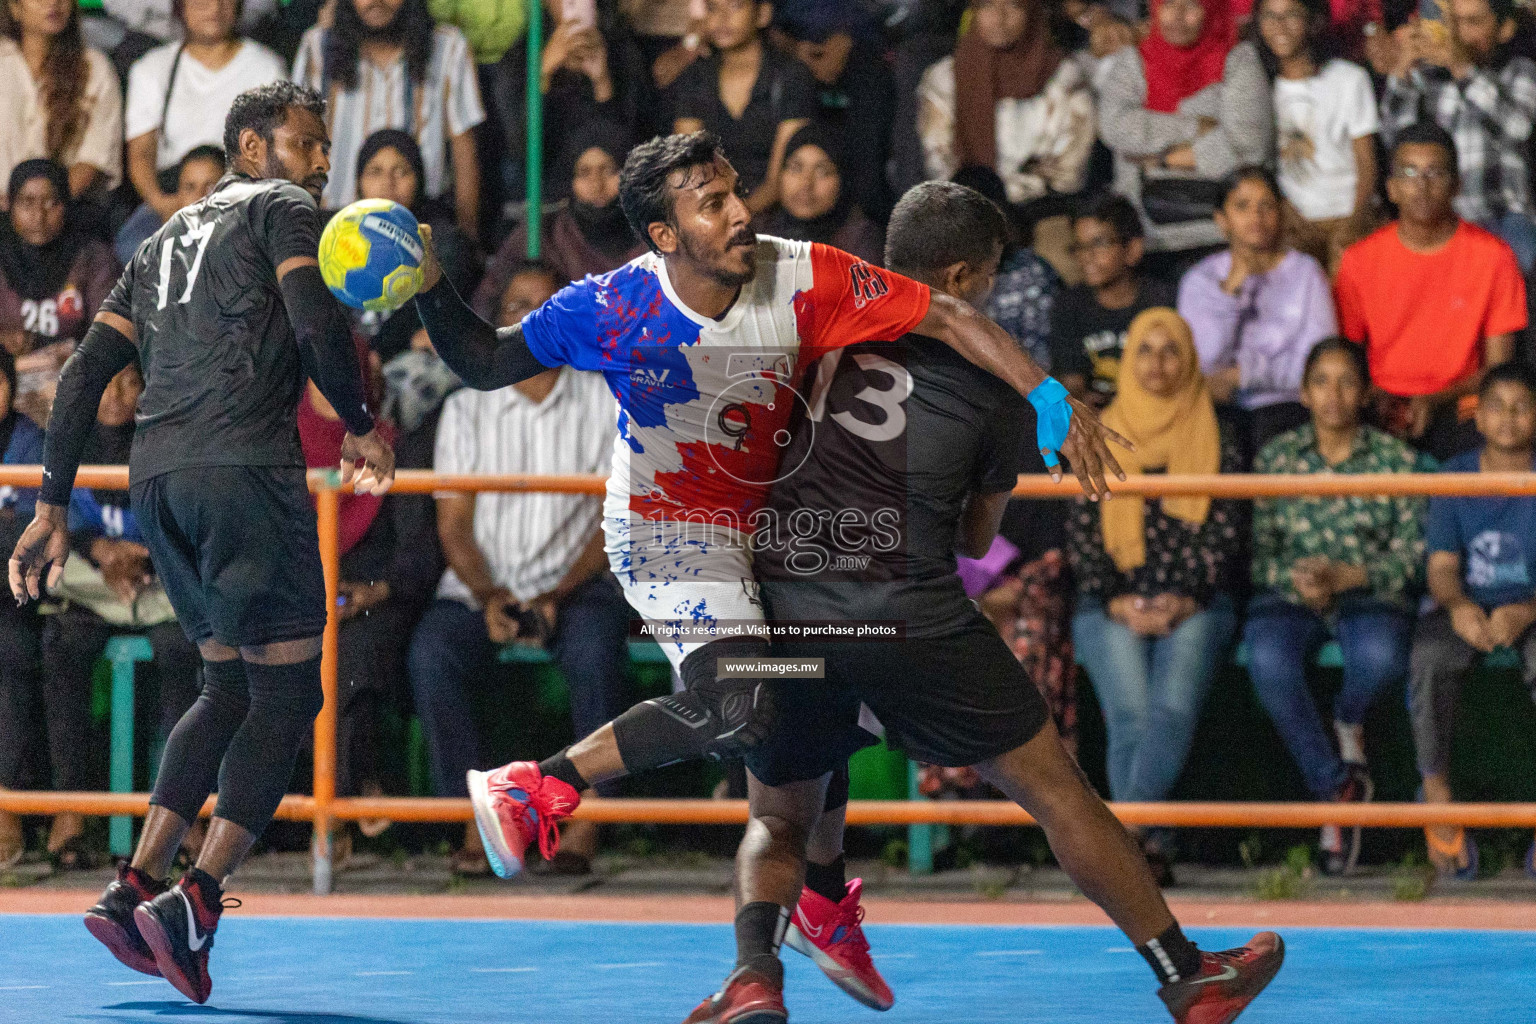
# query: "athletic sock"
(759, 930)
(560, 767)
(829, 880)
(1171, 956)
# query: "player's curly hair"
(265, 107)
(938, 224)
(644, 192)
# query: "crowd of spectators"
(1286, 237)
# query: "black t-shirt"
(784, 91)
(222, 371)
(862, 525)
(1088, 339)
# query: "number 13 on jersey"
(887, 400)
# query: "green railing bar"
(535, 205)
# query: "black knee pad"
(713, 718)
(259, 762)
(287, 691)
(741, 708)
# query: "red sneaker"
(515, 804)
(1227, 982)
(747, 997)
(832, 935)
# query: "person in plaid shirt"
(1459, 73)
(1350, 567)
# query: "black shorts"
(955, 701)
(237, 550)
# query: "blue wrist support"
(1053, 416)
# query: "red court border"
(1430, 914)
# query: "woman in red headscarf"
(1010, 101)
(1181, 111)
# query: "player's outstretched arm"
(325, 345)
(484, 358)
(44, 545)
(1065, 424)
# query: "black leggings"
(243, 734)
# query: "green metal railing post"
(535, 173)
(123, 652)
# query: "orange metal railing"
(324, 808)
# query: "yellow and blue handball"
(370, 255)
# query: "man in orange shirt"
(1435, 300)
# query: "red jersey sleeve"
(850, 301)
(1506, 312)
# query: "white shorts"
(669, 576)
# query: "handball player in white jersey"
(703, 341)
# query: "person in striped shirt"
(522, 567)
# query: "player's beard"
(314, 184)
(710, 262)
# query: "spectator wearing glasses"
(1459, 73)
(382, 64)
(1090, 321)
(1257, 309)
(1325, 113)
(1482, 575)
(1435, 299)
(179, 94)
(1348, 567)
(59, 98)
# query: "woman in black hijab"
(815, 204)
(52, 276)
(589, 236)
(389, 166)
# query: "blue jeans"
(1517, 230)
(1151, 690)
(1282, 639)
(451, 650)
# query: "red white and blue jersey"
(705, 404)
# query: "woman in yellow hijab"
(1155, 615)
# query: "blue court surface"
(368, 971)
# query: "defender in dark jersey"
(909, 453)
(226, 314)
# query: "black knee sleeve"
(259, 763)
(189, 768)
(714, 718)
